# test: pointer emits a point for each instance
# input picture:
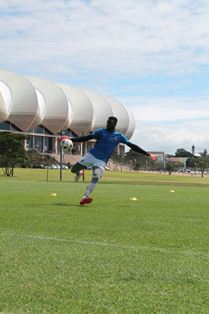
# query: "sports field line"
(107, 244)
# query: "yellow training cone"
(133, 199)
(53, 194)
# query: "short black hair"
(113, 118)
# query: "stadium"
(45, 110)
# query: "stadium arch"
(44, 109)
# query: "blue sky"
(152, 55)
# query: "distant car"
(65, 167)
(185, 170)
(53, 167)
(45, 166)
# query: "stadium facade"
(44, 109)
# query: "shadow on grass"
(66, 205)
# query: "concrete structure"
(178, 160)
(44, 109)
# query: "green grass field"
(113, 256)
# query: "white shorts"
(89, 161)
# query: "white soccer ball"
(67, 145)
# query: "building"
(178, 160)
(45, 109)
(160, 157)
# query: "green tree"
(202, 164)
(181, 152)
(191, 162)
(171, 166)
(205, 152)
(159, 166)
(12, 152)
(35, 159)
(135, 158)
(137, 166)
(131, 156)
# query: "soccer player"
(96, 159)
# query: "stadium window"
(5, 126)
(69, 133)
(8, 126)
(39, 130)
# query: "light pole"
(61, 157)
(121, 161)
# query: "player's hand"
(64, 137)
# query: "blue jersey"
(106, 143)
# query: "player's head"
(111, 123)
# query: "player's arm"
(137, 149)
(82, 138)
(78, 138)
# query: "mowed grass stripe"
(106, 244)
(40, 175)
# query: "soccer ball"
(67, 145)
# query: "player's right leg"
(96, 175)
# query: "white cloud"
(170, 137)
(170, 109)
(113, 37)
(170, 124)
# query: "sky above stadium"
(152, 55)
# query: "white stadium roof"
(30, 101)
(101, 109)
(53, 105)
(20, 104)
(82, 111)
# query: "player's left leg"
(86, 162)
(97, 173)
(77, 170)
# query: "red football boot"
(86, 200)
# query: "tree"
(205, 152)
(134, 158)
(137, 166)
(116, 158)
(36, 159)
(191, 162)
(12, 151)
(159, 166)
(131, 156)
(181, 152)
(171, 166)
(202, 164)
